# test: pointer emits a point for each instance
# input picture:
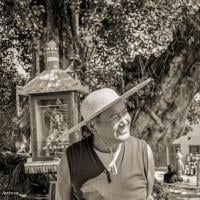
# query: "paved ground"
(186, 190)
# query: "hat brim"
(121, 98)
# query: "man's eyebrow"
(125, 109)
(115, 113)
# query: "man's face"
(113, 125)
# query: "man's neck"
(102, 146)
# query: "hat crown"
(96, 101)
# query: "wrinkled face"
(113, 125)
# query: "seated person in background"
(171, 175)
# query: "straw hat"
(100, 100)
(97, 101)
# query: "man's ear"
(91, 126)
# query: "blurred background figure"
(171, 175)
(179, 162)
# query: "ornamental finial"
(52, 55)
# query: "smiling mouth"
(122, 132)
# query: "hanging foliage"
(115, 32)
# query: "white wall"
(185, 142)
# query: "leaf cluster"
(21, 21)
(194, 113)
(119, 31)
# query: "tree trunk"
(164, 117)
(63, 28)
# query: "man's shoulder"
(137, 145)
(80, 145)
(132, 139)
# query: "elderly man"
(109, 164)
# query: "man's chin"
(123, 137)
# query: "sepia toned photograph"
(99, 100)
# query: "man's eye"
(125, 112)
(115, 117)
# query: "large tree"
(116, 43)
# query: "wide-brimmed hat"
(100, 100)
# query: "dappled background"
(115, 43)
